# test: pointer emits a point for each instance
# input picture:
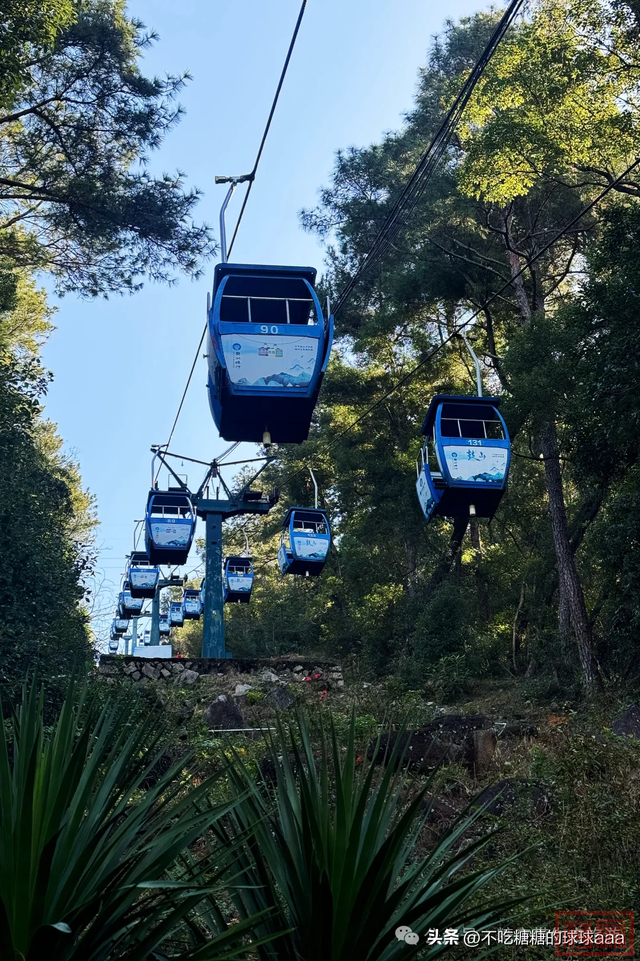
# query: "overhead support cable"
(250, 179)
(425, 169)
(252, 176)
(460, 327)
(186, 388)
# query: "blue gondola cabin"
(304, 541)
(165, 625)
(141, 575)
(119, 626)
(191, 604)
(176, 616)
(464, 462)
(128, 606)
(170, 526)
(268, 349)
(238, 580)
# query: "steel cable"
(244, 203)
(417, 183)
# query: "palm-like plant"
(332, 852)
(86, 853)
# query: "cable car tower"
(215, 510)
(268, 348)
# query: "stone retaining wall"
(187, 671)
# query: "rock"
(189, 677)
(165, 672)
(447, 739)
(423, 752)
(269, 676)
(519, 729)
(481, 746)
(628, 724)
(298, 668)
(129, 668)
(224, 714)
(438, 810)
(177, 667)
(241, 689)
(506, 793)
(279, 698)
(108, 669)
(456, 727)
(151, 672)
(450, 738)
(136, 675)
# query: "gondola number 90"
(265, 329)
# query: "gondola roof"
(262, 271)
(463, 402)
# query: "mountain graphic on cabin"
(297, 376)
(493, 476)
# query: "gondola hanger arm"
(315, 484)
(233, 183)
(159, 453)
(476, 362)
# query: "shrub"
(88, 856)
(333, 854)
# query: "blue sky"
(120, 365)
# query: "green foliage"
(551, 102)
(335, 854)
(549, 125)
(28, 30)
(443, 626)
(585, 843)
(46, 519)
(450, 678)
(77, 122)
(89, 837)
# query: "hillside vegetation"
(551, 585)
(134, 824)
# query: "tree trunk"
(412, 567)
(515, 637)
(482, 587)
(564, 616)
(474, 533)
(572, 607)
(441, 572)
(570, 586)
